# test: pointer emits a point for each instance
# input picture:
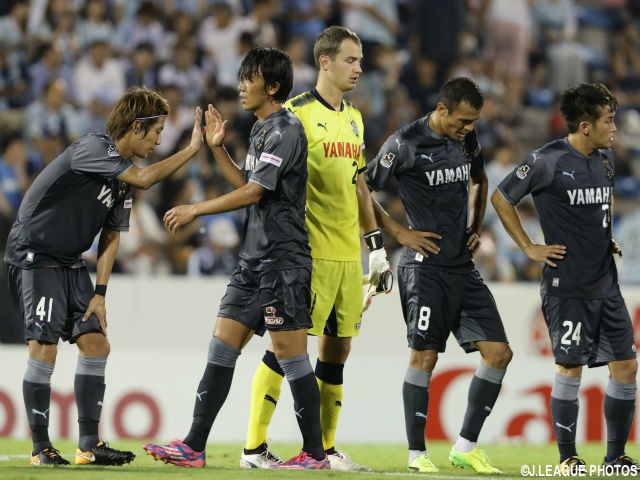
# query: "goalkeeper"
(339, 206)
(439, 169)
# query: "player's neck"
(330, 93)
(434, 123)
(266, 109)
(579, 142)
(123, 148)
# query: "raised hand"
(196, 133)
(215, 128)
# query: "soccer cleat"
(623, 461)
(48, 456)
(423, 464)
(102, 454)
(342, 462)
(263, 460)
(476, 460)
(573, 466)
(304, 461)
(177, 453)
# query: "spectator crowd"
(63, 64)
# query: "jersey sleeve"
(120, 213)
(97, 155)
(472, 149)
(532, 175)
(282, 146)
(394, 158)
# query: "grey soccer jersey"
(274, 234)
(573, 195)
(69, 202)
(433, 175)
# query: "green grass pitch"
(387, 461)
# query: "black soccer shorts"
(437, 301)
(589, 332)
(275, 300)
(52, 302)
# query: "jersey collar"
(324, 102)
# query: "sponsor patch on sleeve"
(270, 158)
(128, 203)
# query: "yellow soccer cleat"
(423, 464)
(476, 460)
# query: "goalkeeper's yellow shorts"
(336, 298)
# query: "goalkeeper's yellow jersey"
(335, 159)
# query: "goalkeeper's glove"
(380, 278)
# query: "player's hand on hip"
(215, 128)
(178, 216)
(617, 250)
(473, 241)
(196, 134)
(419, 241)
(97, 308)
(545, 253)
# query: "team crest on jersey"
(270, 317)
(608, 170)
(387, 160)
(355, 128)
(260, 141)
(522, 171)
(112, 152)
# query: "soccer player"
(270, 289)
(439, 169)
(571, 181)
(86, 190)
(337, 196)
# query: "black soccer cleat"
(102, 454)
(623, 461)
(48, 456)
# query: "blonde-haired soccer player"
(338, 206)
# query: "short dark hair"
(585, 102)
(461, 89)
(273, 65)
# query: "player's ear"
(273, 89)
(323, 60)
(585, 127)
(136, 125)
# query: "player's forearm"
(107, 251)
(385, 221)
(249, 194)
(148, 176)
(510, 220)
(228, 168)
(366, 214)
(478, 202)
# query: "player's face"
(143, 143)
(603, 131)
(344, 71)
(252, 93)
(458, 122)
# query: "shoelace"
(51, 452)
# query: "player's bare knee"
(624, 371)
(424, 360)
(94, 345)
(44, 352)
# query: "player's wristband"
(101, 290)
(374, 240)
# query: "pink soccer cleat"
(177, 452)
